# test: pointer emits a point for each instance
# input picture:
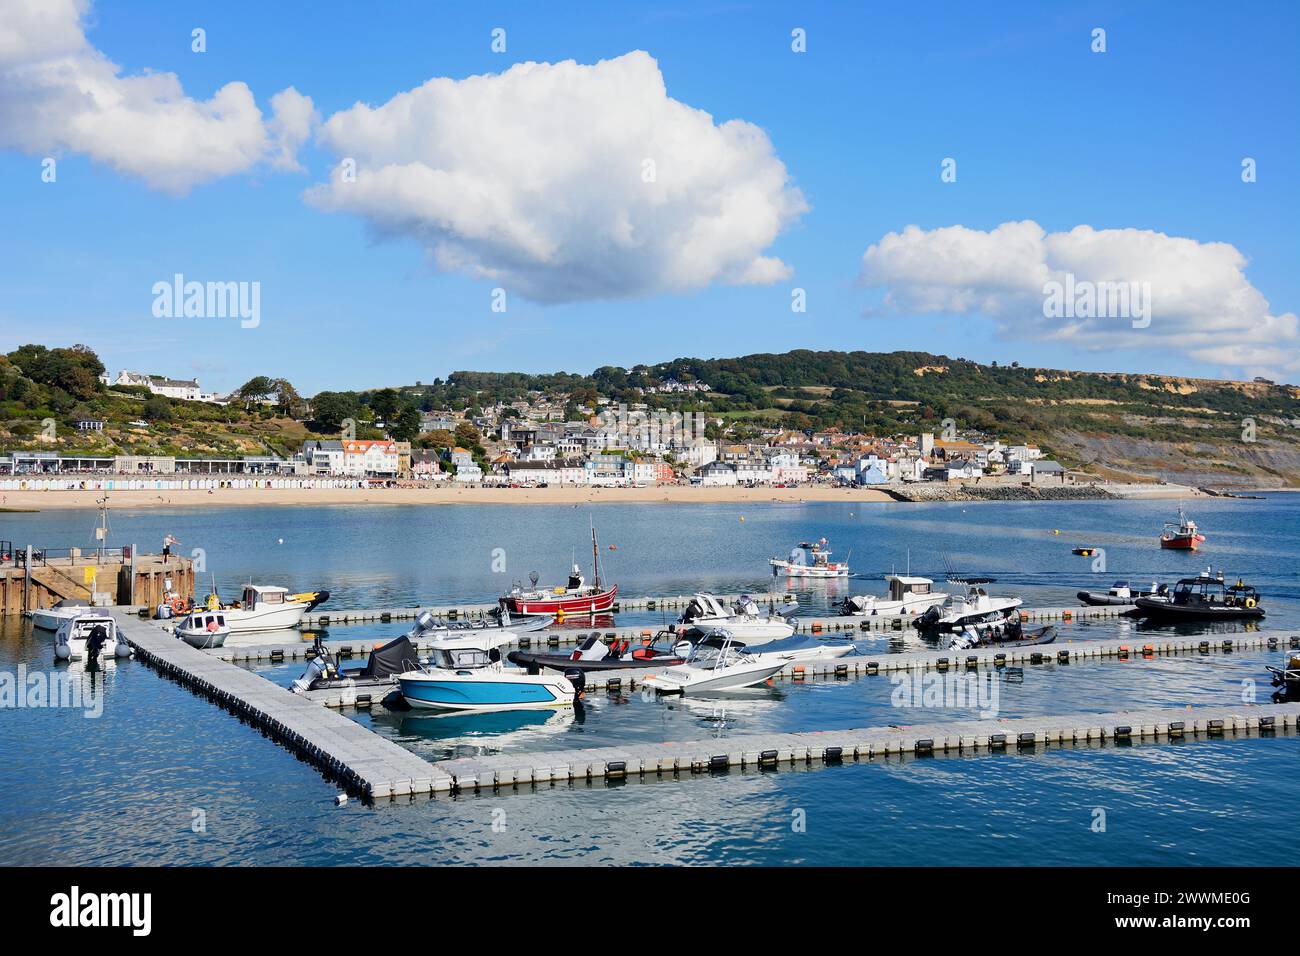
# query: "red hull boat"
(576, 597)
(1182, 536)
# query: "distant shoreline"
(453, 495)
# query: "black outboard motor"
(579, 681)
(928, 620)
(94, 644)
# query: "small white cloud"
(58, 93)
(1201, 303)
(566, 182)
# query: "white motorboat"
(472, 679)
(746, 621)
(92, 632)
(798, 650)
(811, 559)
(719, 662)
(907, 595)
(498, 632)
(49, 618)
(976, 608)
(203, 629)
(268, 608)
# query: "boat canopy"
(395, 657)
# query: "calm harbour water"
(160, 758)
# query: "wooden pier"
(675, 760)
(360, 759)
(31, 579)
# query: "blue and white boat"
(469, 678)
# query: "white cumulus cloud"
(1201, 303)
(59, 93)
(565, 181)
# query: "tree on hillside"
(406, 425)
(157, 409)
(75, 371)
(385, 403)
(467, 435)
(287, 399)
(329, 409)
(256, 389)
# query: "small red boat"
(1182, 536)
(576, 597)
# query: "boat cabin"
(900, 586)
(212, 621)
(255, 594)
(1207, 590)
(464, 658)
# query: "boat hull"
(279, 618)
(786, 569)
(1182, 542)
(497, 692)
(203, 640)
(49, 619)
(1164, 611)
(693, 680)
(601, 601)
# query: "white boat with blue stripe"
(470, 678)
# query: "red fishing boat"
(575, 597)
(1181, 536)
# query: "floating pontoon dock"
(359, 758)
(325, 618)
(377, 768)
(771, 751)
(870, 664)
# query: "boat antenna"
(595, 555)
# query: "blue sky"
(1149, 135)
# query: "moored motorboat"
(1011, 634)
(325, 671)
(976, 608)
(1203, 598)
(266, 607)
(717, 663)
(471, 679)
(1118, 593)
(811, 559)
(49, 618)
(746, 620)
(1287, 677)
(575, 597)
(594, 655)
(907, 595)
(90, 636)
(1182, 535)
(203, 629)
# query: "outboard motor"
(321, 667)
(94, 644)
(789, 608)
(579, 681)
(424, 621)
(928, 619)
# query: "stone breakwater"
(936, 492)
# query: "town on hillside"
(550, 439)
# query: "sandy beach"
(441, 495)
(50, 500)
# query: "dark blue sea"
(163, 777)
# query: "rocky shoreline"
(936, 492)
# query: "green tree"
(330, 409)
(157, 409)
